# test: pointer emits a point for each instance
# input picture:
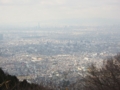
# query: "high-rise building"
(1, 36)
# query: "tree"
(9, 82)
(105, 78)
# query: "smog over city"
(56, 41)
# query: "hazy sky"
(59, 12)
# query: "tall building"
(1, 36)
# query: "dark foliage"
(9, 82)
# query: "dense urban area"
(56, 55)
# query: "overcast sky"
(59, 12)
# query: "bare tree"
(106, 78)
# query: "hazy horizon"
(59, 12)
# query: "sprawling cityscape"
(57, 54)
